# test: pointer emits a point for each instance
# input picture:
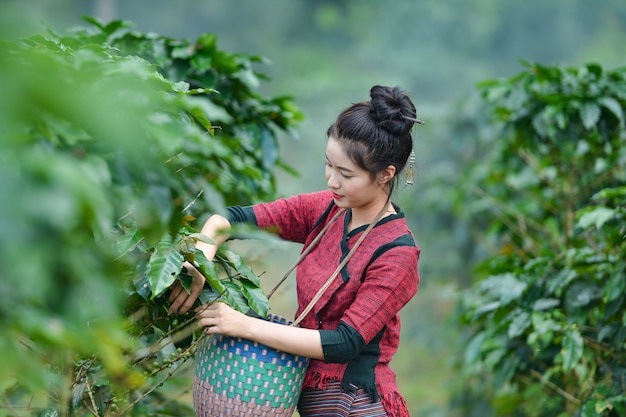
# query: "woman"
(353, 330)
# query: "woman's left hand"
(221, 318)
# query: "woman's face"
(352, 186)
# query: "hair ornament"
(408, 178)
(413, 119)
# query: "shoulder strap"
(343, 263)
(306, 251)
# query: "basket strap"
(334, 275)
(306, 251)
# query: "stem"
(175, 333)
(569, 397)
(193, 201)
(604, 348)
(190, 350)
(93, 410)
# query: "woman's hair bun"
(392, 109)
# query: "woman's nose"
(332, 183)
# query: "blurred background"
(327, 54)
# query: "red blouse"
(380, 278)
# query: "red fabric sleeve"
(292, 218)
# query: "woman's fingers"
(219, 318)
(181, 300)
(177, 297)
(207, 315)
(210, 310)
(175, 291)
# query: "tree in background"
(548, 313)
(113, 142)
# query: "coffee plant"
(115, 145)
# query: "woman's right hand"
(217, 229)
(181, 300)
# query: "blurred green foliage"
(114, 141)
(548, 314)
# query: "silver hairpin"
(414, 120)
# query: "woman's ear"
(386, 174)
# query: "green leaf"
(597, 217)
(618, 193)
(234, 296)
(505, 370)
(560, 281)
(186, 245)
(474, 348)
(511, 288)
(209, 295)
(589, 409)
(207, 42)
(614, 107)
(486, 308)
(571, 348)
(181, 86)
(129, 240)
(165, 265)
(256, 299)
(236, 262)
(519, 324)
(543, 328)
(201, 238)
(506, 403)
(51, 412)
(546, 304)
(226, 290)
(142, 286)
(590, 114)
(616, 285)
(607, 330)
(207, 111)
(581, 293)
(248, 77)
(615, 402)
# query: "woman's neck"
(362, 216)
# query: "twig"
(180, 334)
(193, 201)
(93, 402)
(559, 390)
(168, 376)
(603, 347)
(158, 345)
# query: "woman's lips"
(337, 196)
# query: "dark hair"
(377, 133)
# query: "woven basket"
(239, 377)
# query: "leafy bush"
(548, 313)
(114, 142)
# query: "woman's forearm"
(217, 229)
(220, 318)
(290, 339)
